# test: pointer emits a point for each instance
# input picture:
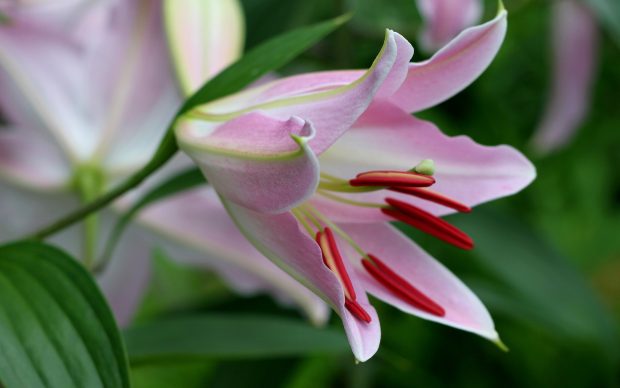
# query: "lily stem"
(89, 182)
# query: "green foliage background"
(548, 259)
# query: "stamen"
(427, 223)
(433, 196)
(333, 261)
(392, 179)
(401, 287)
(357, 310)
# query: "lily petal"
(444, 19)
(41, 82)
(332, 110)
(255, 160)
(60, 14)
(453, 67)
(280, 239)
(133, 94)
(198, 222)
(29, 160)
(391, 139)
(463, 309)
(575, 51)
(204, 38)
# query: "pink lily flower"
(575, 51)
(311, 168)
(70, 132)
(99, 106)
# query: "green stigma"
(425, 167)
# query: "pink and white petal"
(575, 50)
(280, 239)
(195, 227)
(133, 149)
(204, 37)
(444, 19)
(41, 81)
(314, 97)
(60, 14)
(132, 79)
(463, 308)
(453, 67)
(28, 159)
(388, 138)
(255, 160)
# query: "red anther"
(333, 261)
(401, 287)
(392, 179)
(433, 196)
(427, 223)
(317, 238)
(357, 310)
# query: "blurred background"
(547, 262)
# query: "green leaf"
(608, 12)
(56, 329)
(182, 181)
(230, 336)
(259, 61)
(535, 283)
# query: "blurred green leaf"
(175, 184)
(372, 17)
(175, 287)
(230, 336)
(55, 327)
(313, 372)
(536, 284)
(171, 374)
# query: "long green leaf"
(267, 57)
(230, 336)
(182, 181)
(536, 284)
(56, 329)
